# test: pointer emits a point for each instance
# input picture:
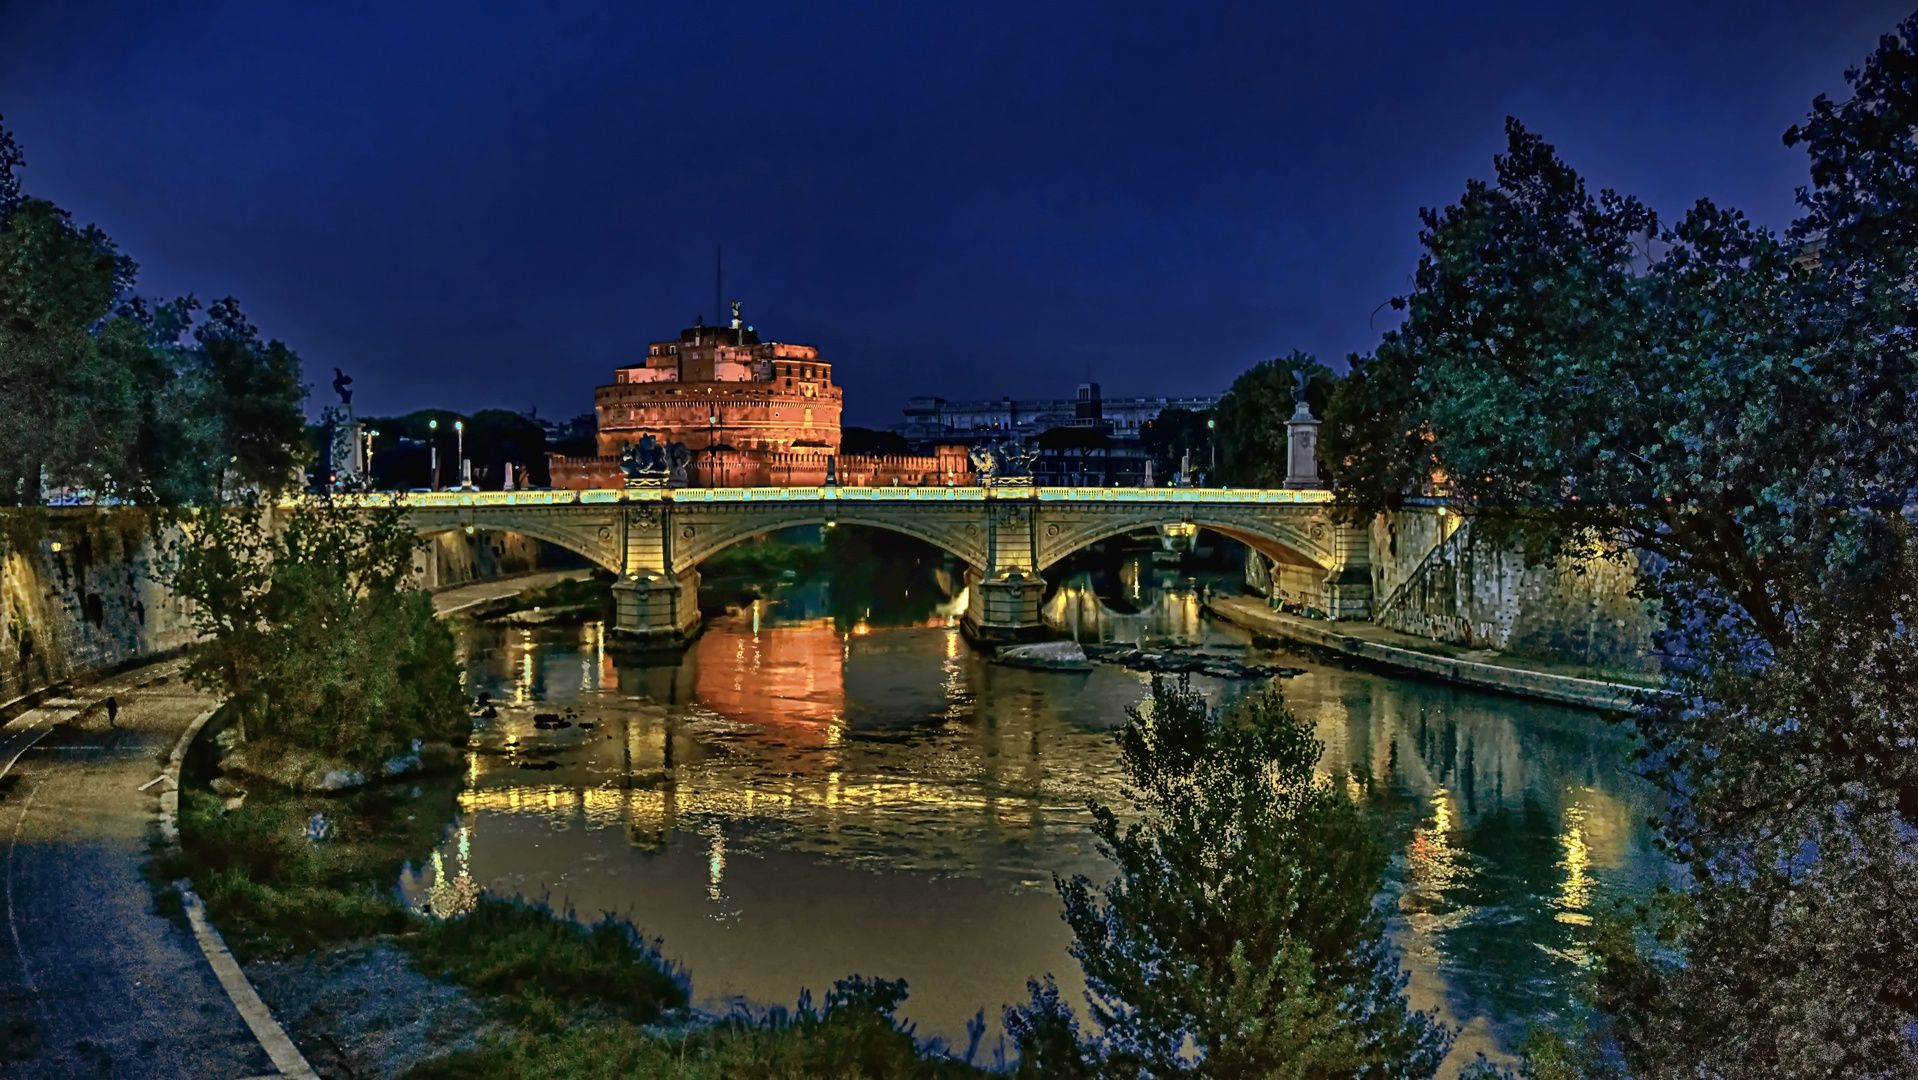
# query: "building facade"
(754, 414)
(720, 387)
(1087, 440)
(931, 420)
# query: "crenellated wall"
(1431, 576)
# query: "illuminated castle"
(754, 414)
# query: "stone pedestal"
(1302, 449)
(345, 460)
(655, 611)
(1004, 607)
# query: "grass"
(855, 1037)
(541, 967)
(572, 592)
(273, 893)
(576, 996)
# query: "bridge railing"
(591, 496)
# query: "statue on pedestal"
(1008, 462)
(650, 463)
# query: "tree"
(1252, 436)
(65, 408)
(1737, 408)
(1174, 433)
(100, 390)
(1239, 938)
(866, 441)
(312, 632)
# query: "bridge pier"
(1004, 595)
(656, 610)
(1004, 607)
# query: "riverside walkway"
(94, 980)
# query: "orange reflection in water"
(791, 678)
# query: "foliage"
(1239, 938)
(541, 964)
(1252, 435)
(312, 633)
(102, 391)
(855, 1037)
(1170, 435)
(1740, 408)
(272, 892)
(494, 438)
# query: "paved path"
(1484, 669)
(94, 981)
(460, 597)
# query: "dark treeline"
(147, 402)
(1736, 409)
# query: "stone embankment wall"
(455, 558)
(80, 589)
(1432, 577)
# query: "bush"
(1239, 937)
(312, 633)
(856, 1037)
(541, 964)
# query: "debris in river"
(1045, 656)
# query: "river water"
(800, 798)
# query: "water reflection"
(792, 802)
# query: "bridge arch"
(1278, 540)
(699, 541)
(598, 540)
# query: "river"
(802, 797)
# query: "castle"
(754, 413)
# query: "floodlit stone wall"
(80, 592)
(1431, 576)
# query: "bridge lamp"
(434, 443)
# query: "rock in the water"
(341, 779)
(1046, 656)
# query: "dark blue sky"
(471, 206)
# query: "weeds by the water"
(272, 891)
(541, 967)
(572, 592)
(857, 1036)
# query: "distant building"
(1066, 458)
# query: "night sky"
(473, 206)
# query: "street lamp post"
(459, 432)
(1213, 443)
(433, 440)
(712, 435)
(366, 459)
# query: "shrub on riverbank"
(1239, 937)
(857, 1036)
(272, 891)
(541, 966)
(313, 634)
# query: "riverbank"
(96, 981)
(1391, 650)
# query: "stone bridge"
(654, 539)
